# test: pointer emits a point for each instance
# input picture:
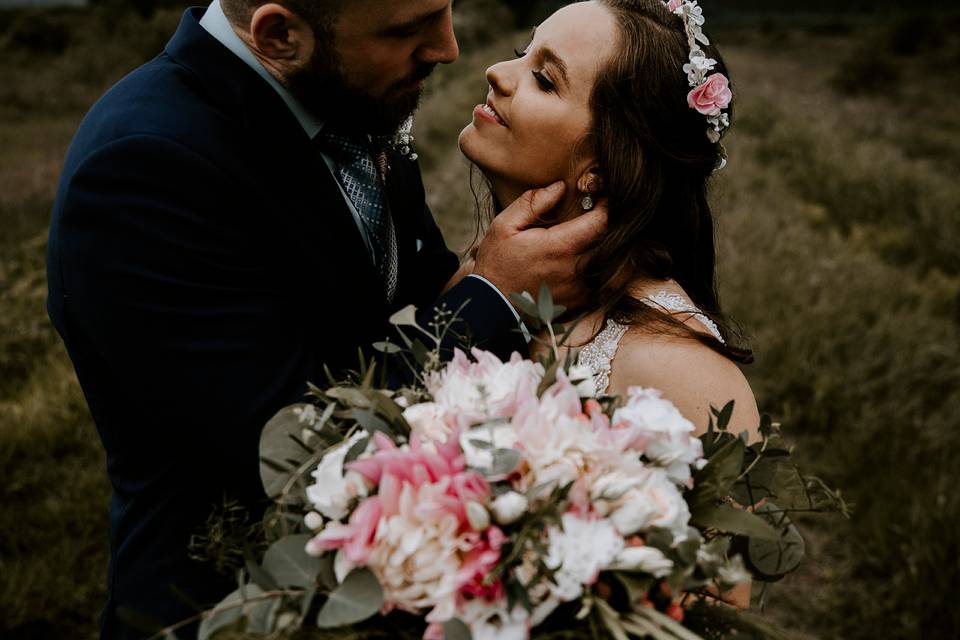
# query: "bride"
(601, 99)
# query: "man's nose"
(441, 46)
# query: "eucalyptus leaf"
(289, 563)
(261, 616)
(280, 453)
(667, 623)
(761, 482)
(723, 417)
(505, 462)
(350, 396)
(356, 449)
(549, 377)
(356, 599)
(420, 352)
(773, 559)
(406, 317)
(735, 521)
(227, 612)
(387, 347)
(261, 576)
(371, 422)
(716, 479)
(527, 307)
(545, 304)
(456, 629)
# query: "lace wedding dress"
(599, 353)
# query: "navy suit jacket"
(203, 266)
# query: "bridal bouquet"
(496, 499)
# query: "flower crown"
(710, 94)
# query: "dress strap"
(599, 353)
(675, 303)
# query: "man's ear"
(281, 35)
(590, 181)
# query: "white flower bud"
(313, 520)
(509, 507)
(646, 559)
(478, 516)
(314, 549)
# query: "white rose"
(657, 503)
(661, 432)
(646, 559)
(333, 491)
(509, 507)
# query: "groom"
(224, 228)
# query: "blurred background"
(838, 225)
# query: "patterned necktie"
(361, 181)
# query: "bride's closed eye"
(542, 80)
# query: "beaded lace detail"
(599, 353)
(674, 303)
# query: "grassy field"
(839, 231)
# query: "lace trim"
(599, 353)
(675, 303)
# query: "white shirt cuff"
(523, 327)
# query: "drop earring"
(587, 203)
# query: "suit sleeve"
(165, 290)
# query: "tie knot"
(343, 146)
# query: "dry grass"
(838, 228)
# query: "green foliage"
(838, 239)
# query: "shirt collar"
(215, 22)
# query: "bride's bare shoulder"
(690, 374)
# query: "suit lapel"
(298, 189)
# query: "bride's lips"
(488, 113)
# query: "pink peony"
(355, 538)
(478, 563)
(711, 97)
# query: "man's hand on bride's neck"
(519, 253)
(568, 207)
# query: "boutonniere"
(399, 143)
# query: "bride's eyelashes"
(544, 81)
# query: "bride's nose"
(500, 78)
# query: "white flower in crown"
(698, 68)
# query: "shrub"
(40, 33)
(867, 72)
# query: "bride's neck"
(505, 193)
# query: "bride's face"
(537, 109)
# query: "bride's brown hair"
(656, 161)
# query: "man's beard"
(324, 89)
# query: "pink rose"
(711, 97)
(673, 5)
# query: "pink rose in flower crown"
(673, 5)
(711, 97)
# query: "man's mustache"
(421, 73)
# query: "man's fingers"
(582, 232)
(529, 208)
